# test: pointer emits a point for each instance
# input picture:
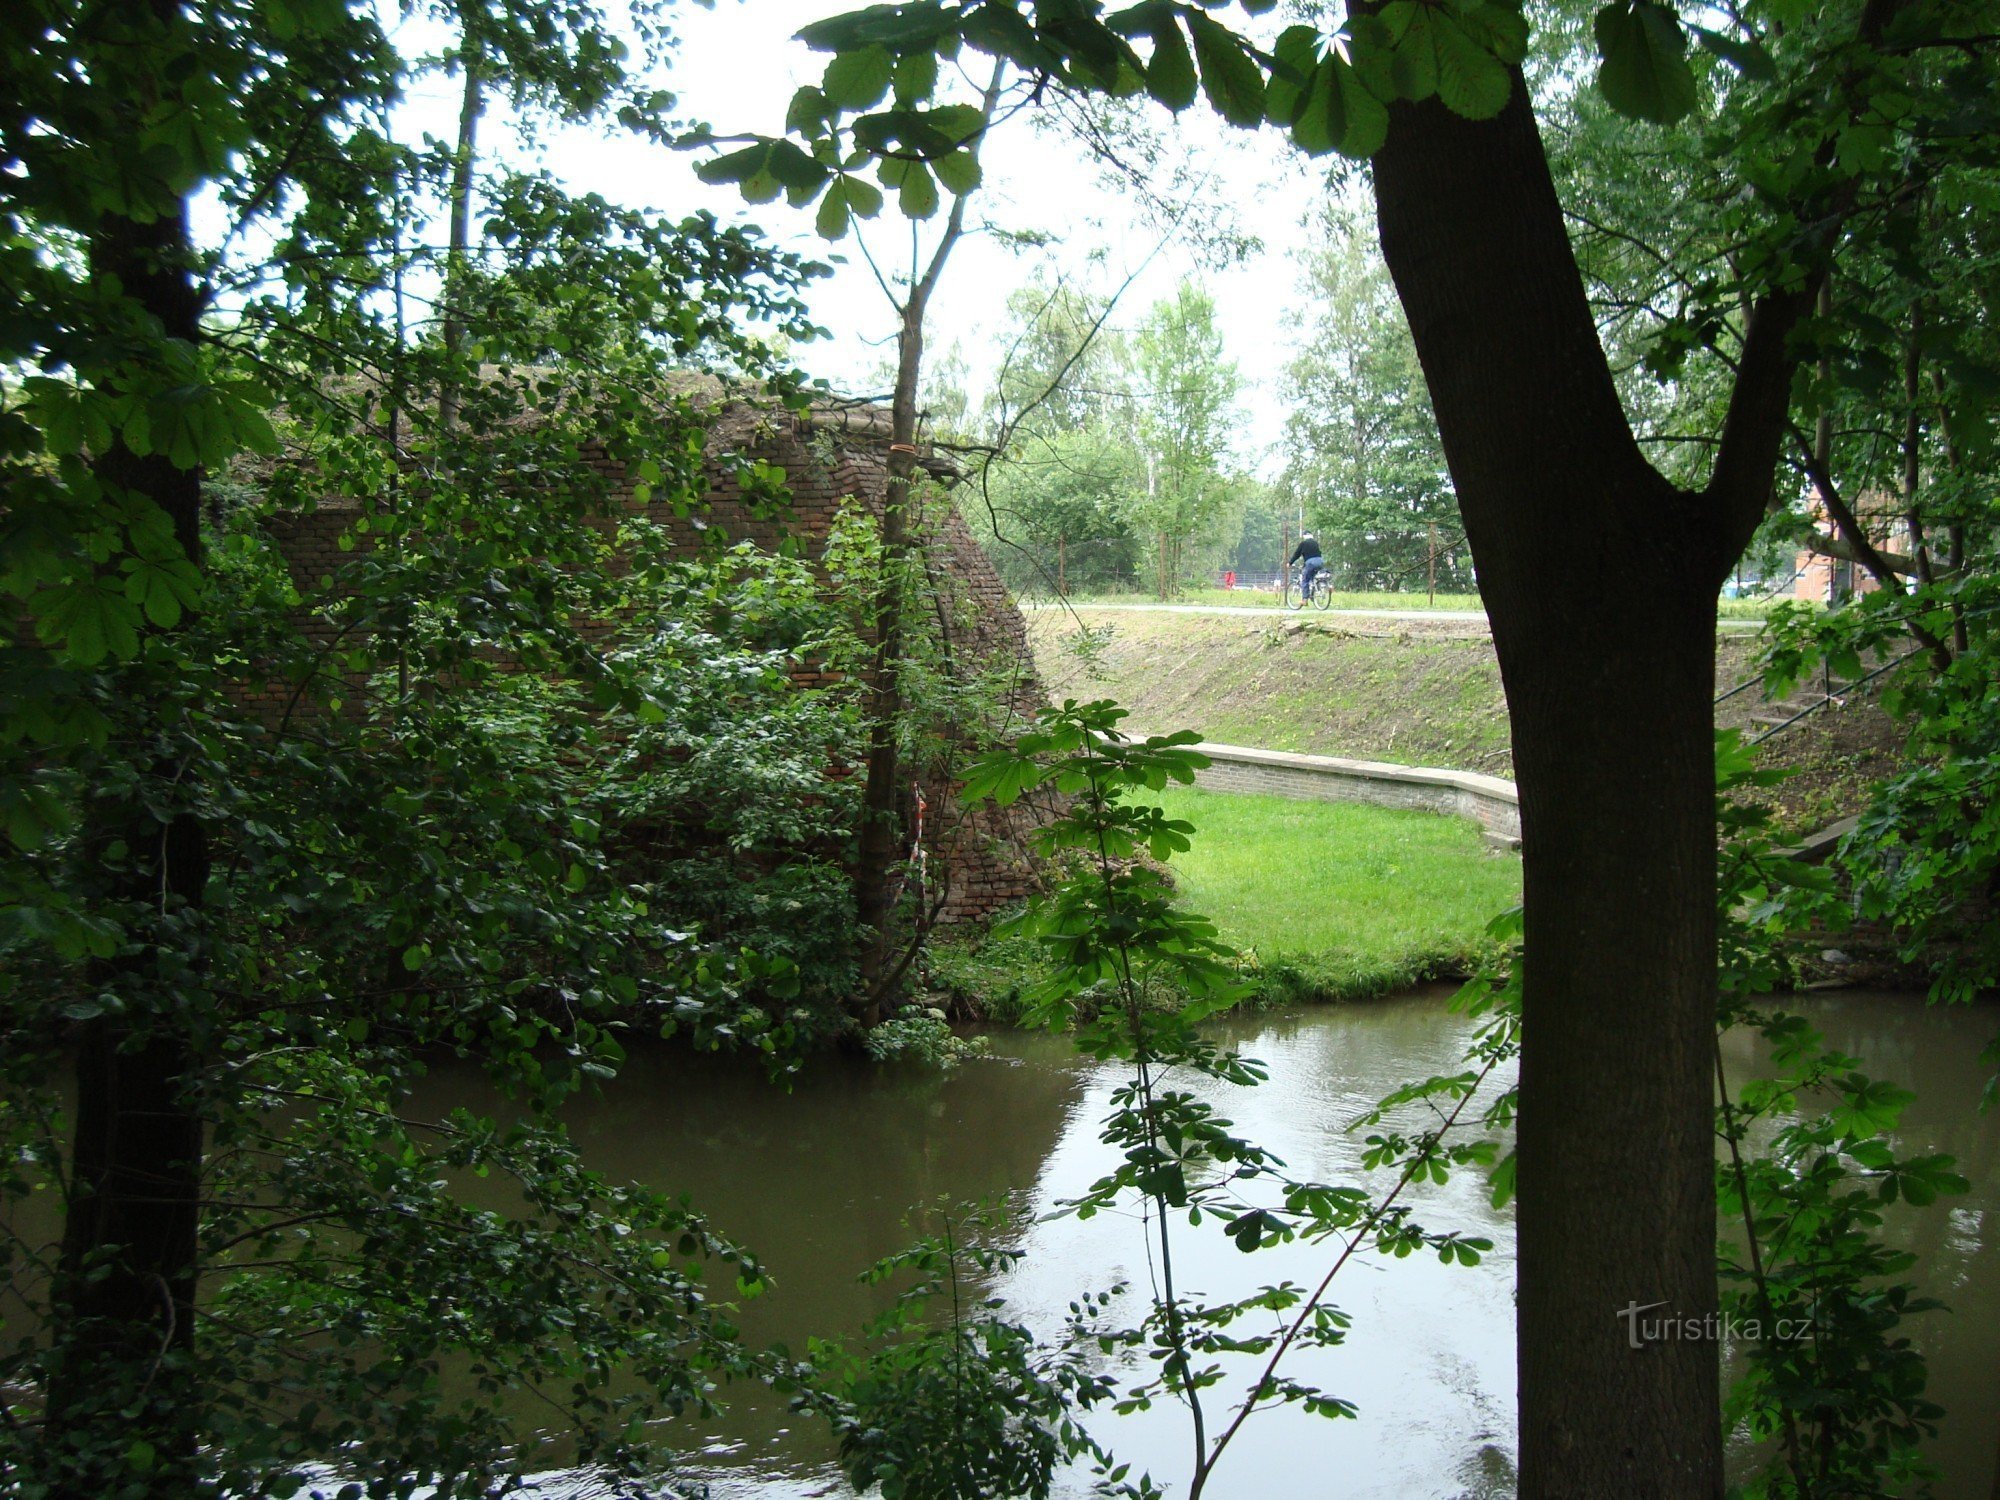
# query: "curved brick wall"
(829, 455)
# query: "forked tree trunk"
(880, 843)
(125, 1286)
(1600, 579)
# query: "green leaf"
(93, 622)
(801, 176)
(831, 220)
(1412, 51)
(915, 76)
(858, 80)
(959, 172)
(1645, 72)
(736, 166)
(162, 587)
(917, 194)
(1747, 57)
(807, 112)
(1229, 76)
(1294, 70)
(1499, 29)
(1170, 71)
(1471, 81)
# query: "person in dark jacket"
(1307, 552)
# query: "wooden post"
(1433, 560)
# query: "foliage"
(1828, 1373)
(1135, 974)
(921, 1033)
(274, 843)
(948, 1400)
(1925, 856)
(1115, 448)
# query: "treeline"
(1111, 454)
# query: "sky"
(735, 70)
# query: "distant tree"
(1362, 457)
(1184, 412)
(1052, 498)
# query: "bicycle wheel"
(1322, 593)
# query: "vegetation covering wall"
(819, 465)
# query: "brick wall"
(830, 456)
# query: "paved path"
(1459, 616)
(1442, 616)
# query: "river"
(820, 1181)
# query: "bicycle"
(1322, 591)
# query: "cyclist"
(1308, 553)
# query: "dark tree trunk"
(880, 842)
(1600, 579)
(126, 1279)
(881, 827)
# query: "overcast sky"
(736, 69)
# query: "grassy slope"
(1423, 693)
(1419, 696)
(1267, 599)
(1725, 609)
(1340, 901)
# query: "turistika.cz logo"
(1660, 1328)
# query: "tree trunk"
(880, 839)
(125, 1287)
(1600, 579)
(881, 828)
(459, 242)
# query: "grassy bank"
(1338, 901)
(1329, 901)
(1420, 695)
(1414, 692)
(1396, 603)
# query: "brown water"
(819, 1181)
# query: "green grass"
(1322, 684)
(1330, 901)
(1340, 900)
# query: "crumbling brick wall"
(831, 456)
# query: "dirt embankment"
(1412, 692)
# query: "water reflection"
(821, 1180)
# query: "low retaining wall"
(1489, 801)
